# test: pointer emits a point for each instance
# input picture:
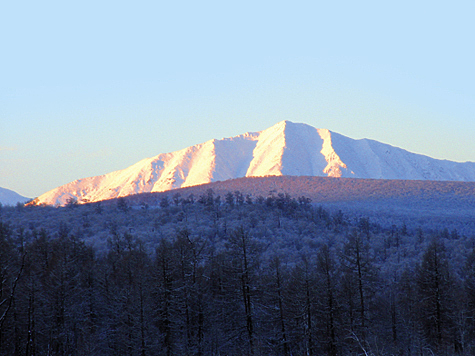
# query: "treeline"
(268, 276)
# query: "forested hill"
(431, 205)
(326, 189)
(233, 274)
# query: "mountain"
(286, 148)
(9, 197)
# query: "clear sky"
(89, 87)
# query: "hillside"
(325, 190)
(428, 204)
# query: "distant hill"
(9, 197)
(330, 190)
(431, 204)
(285, 149)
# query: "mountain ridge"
(10, 197)
(286, 148)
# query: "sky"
(90, 87)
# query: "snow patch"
(334, 164)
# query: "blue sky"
(92, 87)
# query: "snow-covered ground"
(286, 148)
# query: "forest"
(231, 274)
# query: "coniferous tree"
(468, 336)
(434, 289)
(302, 296)
(243, 265)
(275, 287)
(11, 269)
(327, 278)
(165, 298)
(358, 284)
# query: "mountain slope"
(9, 197)
(284, 149)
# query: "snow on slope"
(9, 197)
(371, 159)
(284, 149)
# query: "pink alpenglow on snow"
(286, 148)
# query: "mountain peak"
(287, 124)
(286, 148)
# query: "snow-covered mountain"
(9, 197)
(284, 149)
